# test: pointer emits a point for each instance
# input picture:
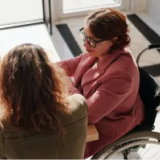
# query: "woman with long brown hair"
(38, 117)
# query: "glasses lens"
(82, 35)
(91, 42)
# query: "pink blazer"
(111, 90)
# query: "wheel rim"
(152, 146)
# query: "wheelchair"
(141, 142)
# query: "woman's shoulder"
(126, 52)
(124, 63)
(77, 102)
(78, 106)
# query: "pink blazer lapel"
(84, 65)
(94, 71)
(97, 70)
(109, 59)
(92, 74)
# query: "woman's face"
(101, 48)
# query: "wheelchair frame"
(139, 136)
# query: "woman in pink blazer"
(108, 77)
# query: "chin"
(91, 53)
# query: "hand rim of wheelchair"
(151, 46)
(128, 141)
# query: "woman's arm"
(70, 65)
(108, 96)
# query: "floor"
(36, 34)
(138, 41)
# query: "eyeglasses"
(90, 40)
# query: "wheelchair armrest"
(154, 46)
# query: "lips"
(89, 50)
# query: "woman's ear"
(114, 39)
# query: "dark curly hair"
(32, 89)
(109, 24)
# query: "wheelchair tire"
(129, 142)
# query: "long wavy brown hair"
(32, 89)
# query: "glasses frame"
(87, 38)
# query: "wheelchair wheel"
(138, 145)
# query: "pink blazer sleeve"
(70, 65)
(108, 96)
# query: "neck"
(102, 57)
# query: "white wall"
(153, 8)
(138, 5)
